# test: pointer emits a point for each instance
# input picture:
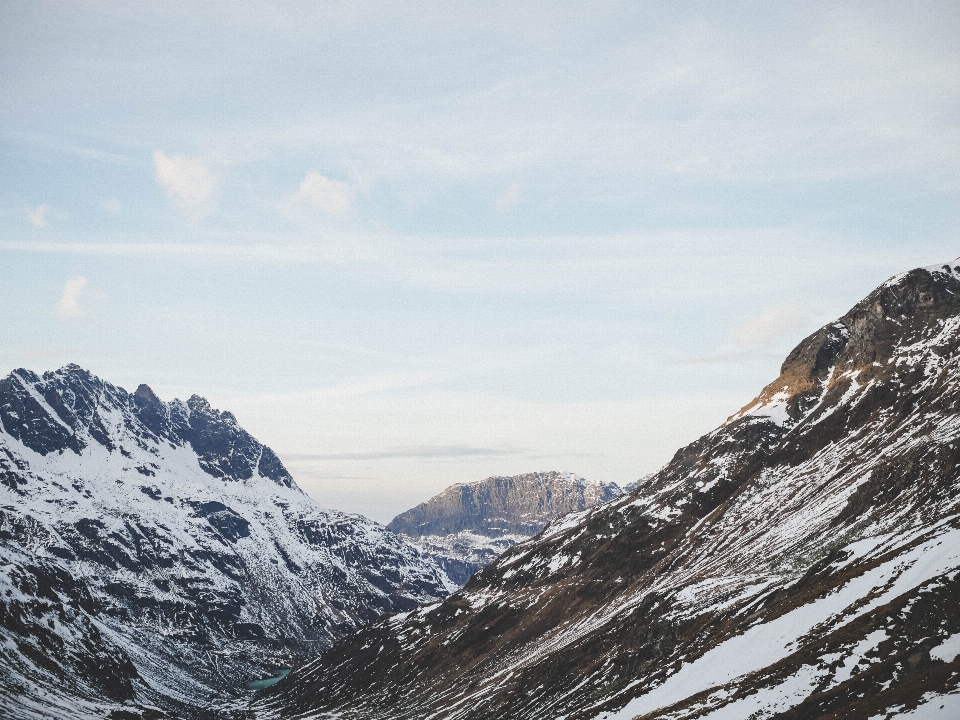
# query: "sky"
(412, 244)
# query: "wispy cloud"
(775, 324)
(639, 267)
(230, 253)
(718, 358)
(424, 452)
(383, 382)
(189, 181)
(332, 197)
(38, 216)
(59, 144)
(763, 335)
(69, 304)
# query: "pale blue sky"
(411, 244)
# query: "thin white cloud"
(333, 197)
(424, 452)
(188, 181)
(230, 253)
(38, 216)
(718, 358)
(775, 324)
(69, 304)
(58, 144)
(382, 382)
(636, 268)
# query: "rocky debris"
(800, 561)
(154, 557)
(468, 525)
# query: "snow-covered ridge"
(801, 560)
(948, 268)
(178, 541)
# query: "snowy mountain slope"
(155, 554)
(468, 525)
(801, 561)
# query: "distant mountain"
(155, 555)
(801, 561)
(468, 525)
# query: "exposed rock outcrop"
(468, 525)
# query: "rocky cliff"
(521, 505)
(468, 525)
(800, 561)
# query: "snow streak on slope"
(155, 554)
(801, 561)
(767, 643)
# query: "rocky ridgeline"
(800, 561)
(154, 557)
(469, 525)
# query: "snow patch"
(948, 650)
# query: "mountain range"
(800, 561)
(155, 558)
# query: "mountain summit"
(156, 555)
(468, 525)
(800, 561)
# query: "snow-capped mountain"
(468, 525)
(800, 561)
(155, 555)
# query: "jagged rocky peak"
(155, 554)
(802, 560)
(520, 504)
(910, 309)
(145, 395)
(70, 408)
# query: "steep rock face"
(468, 525)
(521, 504)
(155, 555)
(801, 561)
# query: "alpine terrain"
(154, 557)
(468, 525)
(800, 561)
